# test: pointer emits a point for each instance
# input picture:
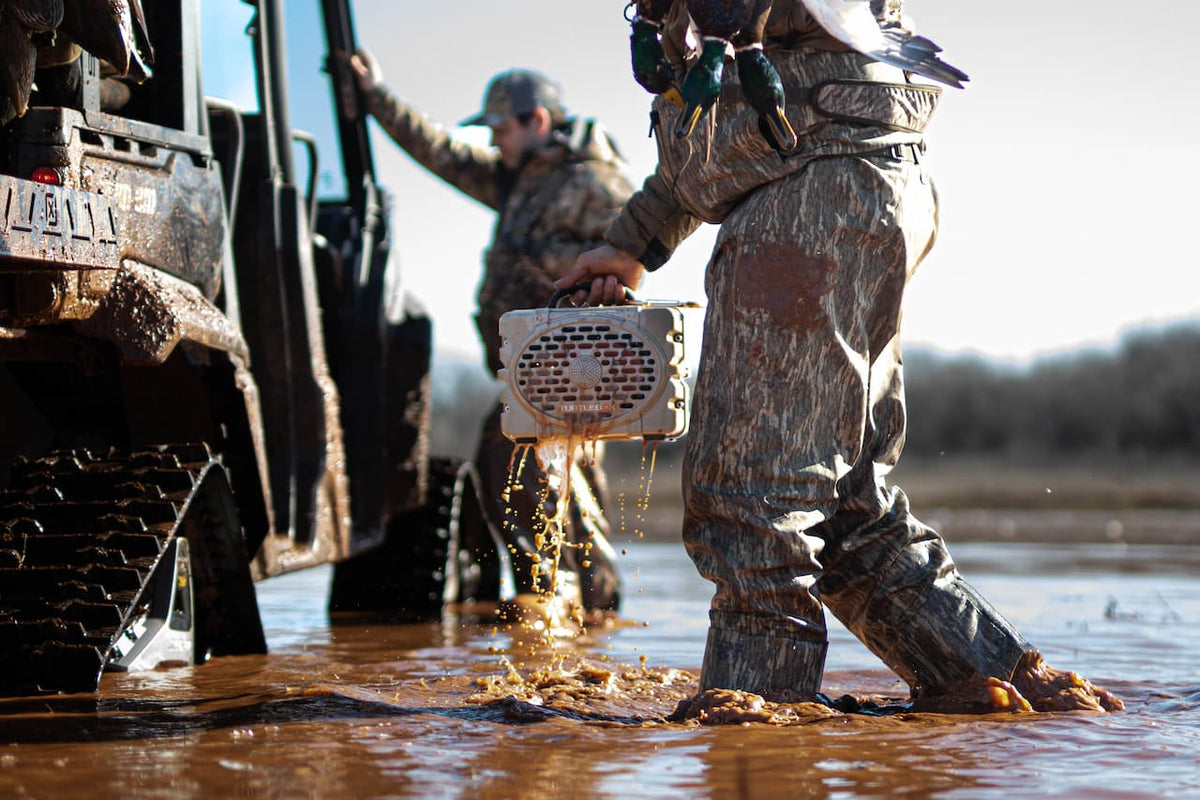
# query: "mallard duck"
(739, 23)
(764, 91)
(717, 21)
(853, 22)
(760, 82)
(650, 66)
(701, 86)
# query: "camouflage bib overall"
(799, 408)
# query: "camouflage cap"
(518, 91)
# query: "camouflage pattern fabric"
(702, 177)
(554, 207)
(799, 410)
(787, 508)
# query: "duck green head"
(701, 86)
(763, 90)
(650, 66)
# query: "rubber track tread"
(80, 535)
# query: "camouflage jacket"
(838, 101)
(554, 207)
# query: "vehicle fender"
(147, 313)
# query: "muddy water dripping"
(555, 612)
(641, 500)
(540, 629)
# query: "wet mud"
(471, 707)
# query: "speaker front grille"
(600, 370)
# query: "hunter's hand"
(609, 271)
(366, 70)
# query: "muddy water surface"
(369, 710)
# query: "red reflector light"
(46, 175)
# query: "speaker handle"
(557, 297)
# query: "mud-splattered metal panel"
(55, 225)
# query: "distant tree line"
(1140, 399)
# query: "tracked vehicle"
(208, 376)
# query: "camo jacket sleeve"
(472, 170)
(652, 224)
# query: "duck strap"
(903, 107)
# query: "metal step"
(89, 564)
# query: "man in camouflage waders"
(799, 408)
(556, 184)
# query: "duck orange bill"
(781, 129)
(687, 120)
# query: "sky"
(1064, 168)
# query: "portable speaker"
(599, 372)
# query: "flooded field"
(432, 711)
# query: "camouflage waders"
(799, 406)
(786, 506)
